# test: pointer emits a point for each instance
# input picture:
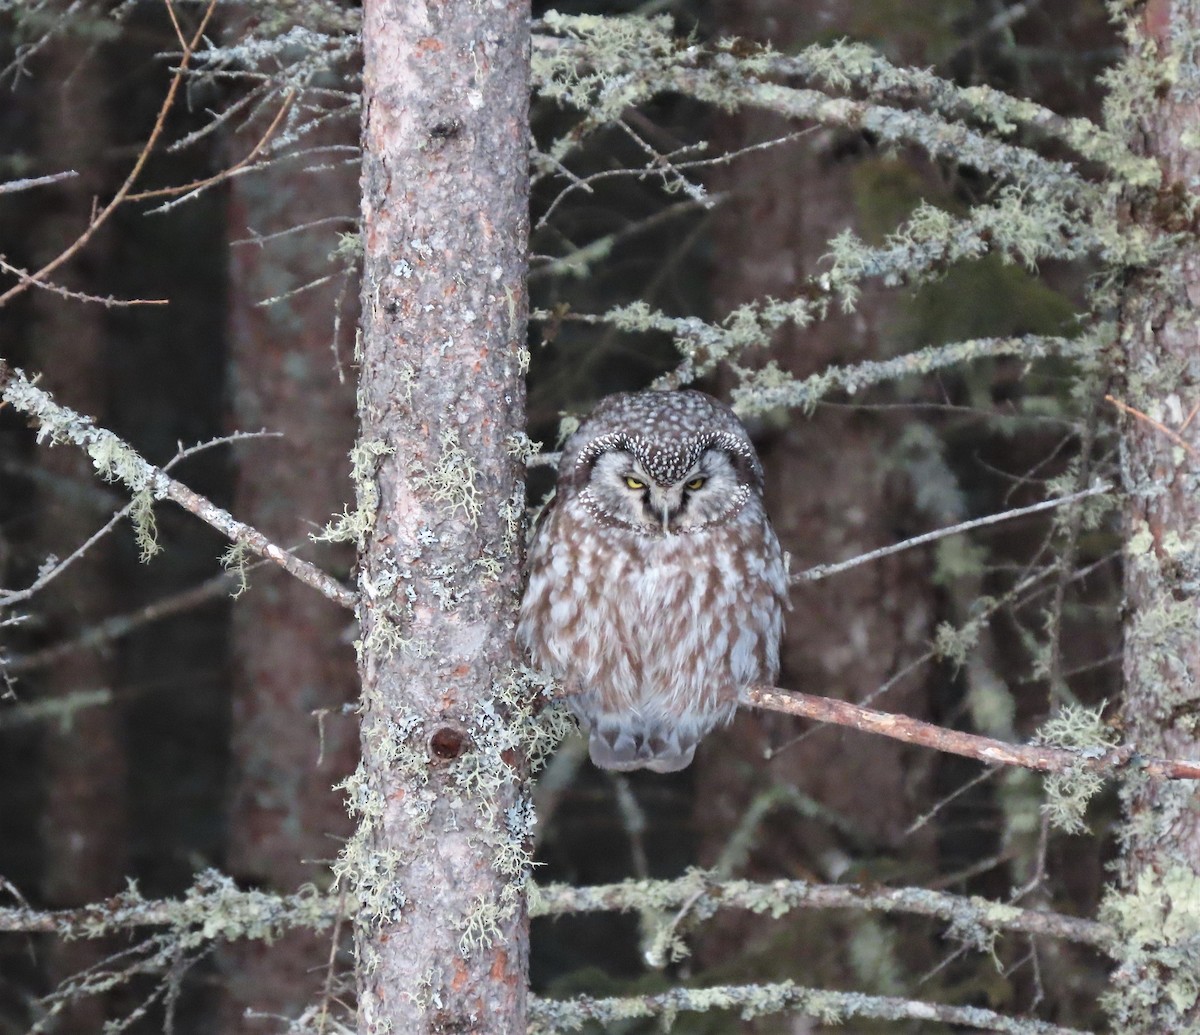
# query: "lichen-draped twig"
(777, 897)
(705, 894)
(49, 572)
(823, 571)
(554, 1015)
(214, 906)
(117, 459)
(940, 138)
(1043, 758)
(125, 912)
(844, 64)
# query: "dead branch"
(1044, 758)
(108, 301)
(224, 174)
(823, 571)
(120, 626)
(101, 217)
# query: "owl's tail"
(626, 742)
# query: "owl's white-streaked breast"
(659, 625)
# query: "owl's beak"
(666, 517)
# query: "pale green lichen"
(234, 560)
(355, 526)
(1068, 792)
(1158, 948)
(453, 479)
(955, 643)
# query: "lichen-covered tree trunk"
(440, 858)
(1159, 912)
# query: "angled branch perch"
(120, 461)
(1044, 758)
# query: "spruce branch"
(749, 1001)
(704, 895)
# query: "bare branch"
(123, 191)
(119, 626)
(61, 709)
(823, 571)
(224, 174)
(108, 301)
(1043, 758)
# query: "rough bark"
(439, 861)
(290, 655)
(1156, 988)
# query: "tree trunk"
(84, 822)
(290, 656)
(1156, 988)
(440, 860)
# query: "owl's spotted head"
(661, 463)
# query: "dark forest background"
(153, 726)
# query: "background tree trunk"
(84, 822)
(833, 491)
(1156, 988)
(292, 657)
(441, 857)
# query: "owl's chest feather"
(631, 616)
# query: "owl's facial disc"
(623, 490)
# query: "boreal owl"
(656, 583)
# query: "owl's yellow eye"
(695, 483)
(634, 483)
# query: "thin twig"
(1043, 758)
(1174, 436)
(120, 626)
(108, 301)
(823, 571)
(36, 181)
(122, 192)
(209, 181)
(785, 996)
